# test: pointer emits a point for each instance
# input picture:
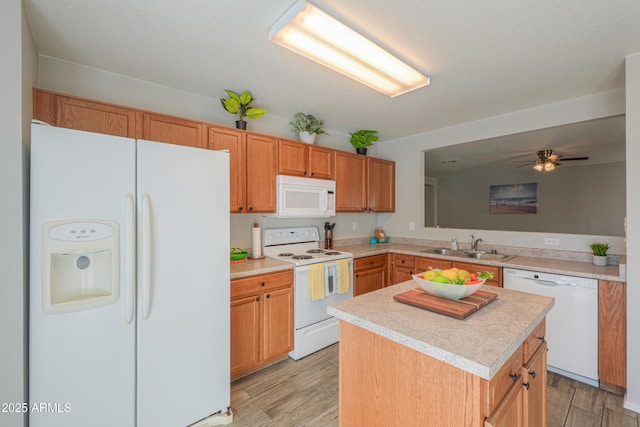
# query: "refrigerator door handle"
(146, 256)
(129, 258)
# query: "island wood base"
(384, 383)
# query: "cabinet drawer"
(533, 341)
(405, 260)
(375, 261)
(503, 380)
(424, 264)
(261, 283)
(472, 268)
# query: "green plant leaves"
(239, 105)
(364, 138)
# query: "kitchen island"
(402, 365)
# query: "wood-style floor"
(305, 393)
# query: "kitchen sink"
(444, 251)
(488, 256)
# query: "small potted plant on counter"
(599, 253)
(362, 139)
(240, 105)
(307, 127)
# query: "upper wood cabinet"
(306, 160)
(351, 182)
(381, 185)
(173, 130)
(80, 114)
(252, 161)
(262, 161)
(234, 141)
(364, 184)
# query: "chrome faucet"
(474, 243)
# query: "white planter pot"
(600, 261)
(307, 137)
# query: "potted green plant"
(307, 127)
(240, 105)
(362, 139)
(599, 253)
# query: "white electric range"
(314, 328)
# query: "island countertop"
(479, 344)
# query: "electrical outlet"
(412, 225)
(355, 226)
(551, 242)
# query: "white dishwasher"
(572, 324)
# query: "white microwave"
(304, 197)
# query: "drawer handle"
(514, 377)
(532, 373)
(526, 385)
(541, 338)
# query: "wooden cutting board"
(455, 308)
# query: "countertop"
(479, 344)
(549, 265)
(259, 266)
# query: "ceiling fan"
(548, 160)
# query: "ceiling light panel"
(316, 35)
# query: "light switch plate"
(551, 242)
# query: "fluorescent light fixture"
(315, 34)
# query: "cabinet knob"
(305, 173)
(514, 377)
(532, 373)
(526, 385)
(261, 283)
(312, 173)
(240, 208)
(257, 298)
(541, 338)
(357, 275)
(267, 296)
(250, 208)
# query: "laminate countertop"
(548, 265)
(479, 344)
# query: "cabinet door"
(173, 130)
(612, 335)
(321, 162)
(278, 322)
(509, 412)
(292, 158)
(534, 380)
(234, 141)
(95, 117)
(245, 333)
(262, 167)
(381, 185)
(350, 171)
(401, 274)
(369, 280)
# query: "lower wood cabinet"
(517, 395)
(402, 267)
(369, 274)
(261, 321)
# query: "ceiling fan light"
(539, 166)
(549, 166)
(316, 35)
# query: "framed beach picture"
(514, 198)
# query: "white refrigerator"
(129, 281)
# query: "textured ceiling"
(484, 58)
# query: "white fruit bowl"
(447, 290)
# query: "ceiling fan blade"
(564, 159)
